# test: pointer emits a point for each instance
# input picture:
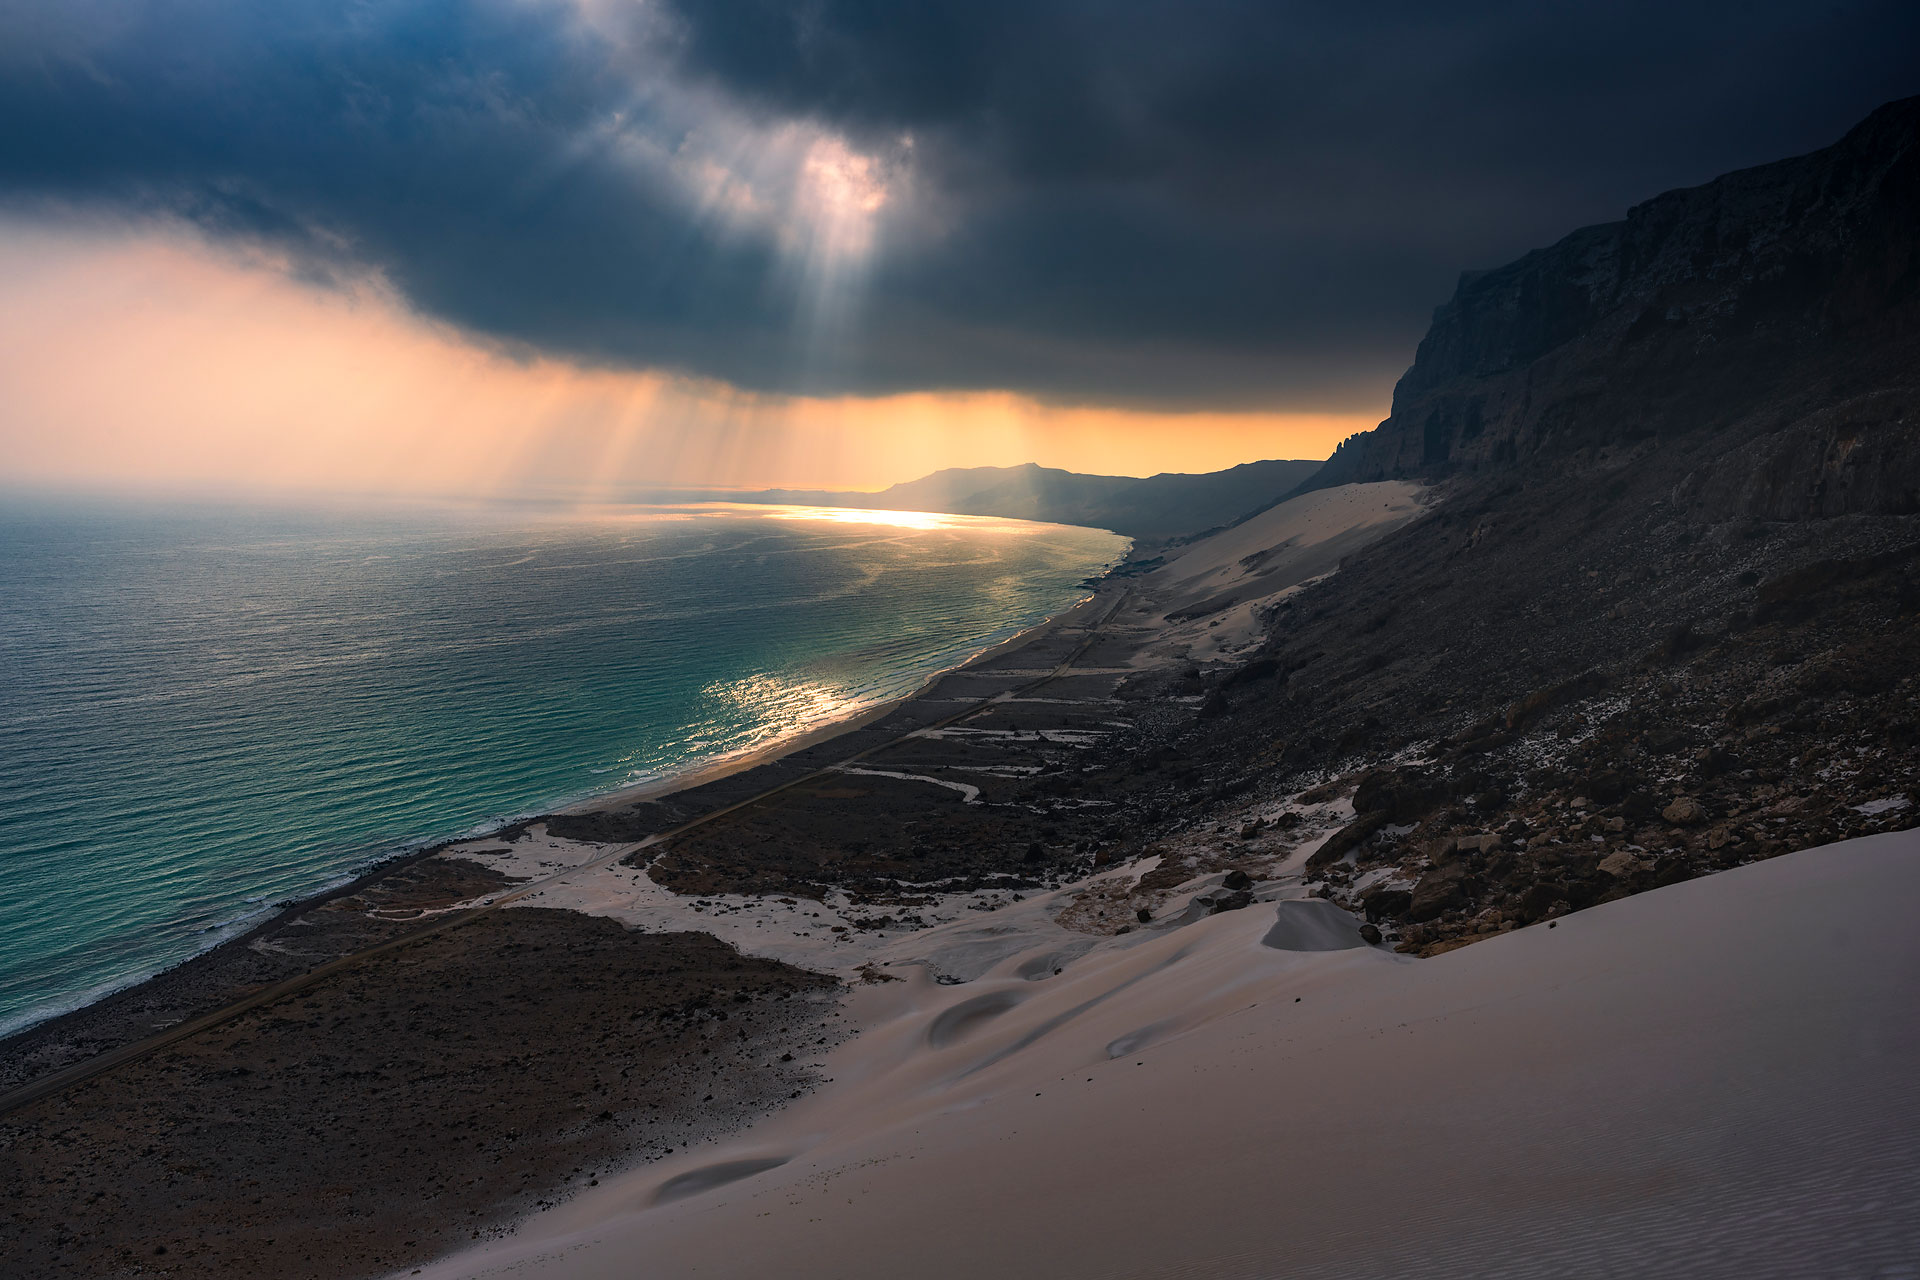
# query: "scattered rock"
(1381, 903)
(1439, 890)
(1685, 812)
(1620, 864)
(1539, 901)
(1402, 795)
(1343, 841)
(1227, 900)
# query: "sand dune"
(1210, 591)
(1713, 1079)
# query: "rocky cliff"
(1659, 618)
(1767, 322)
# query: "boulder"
(1382, 903)
(1685, 812)
(1237, 879)
(1341, 842)
(1233, 900)
(1370, 934)
(1716, 760)
(1538, 900)
(1439, 890)
(1403, 795)
(1620, 864)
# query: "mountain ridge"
(1657, 617)
(1774, 306)
(1170, 504)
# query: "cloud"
(154, 361)
(1202, 203)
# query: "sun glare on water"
(860, 515)
(788, 705)
(928, 521)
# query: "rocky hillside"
(1663, 614)
(1768, 318)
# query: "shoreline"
(1071, 805)
(820, 734)
(330, 857)
(233, 1045)
(190, 968)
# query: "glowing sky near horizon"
(137, 357)
(585, 247)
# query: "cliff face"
(1768, 322)
(1667, 596)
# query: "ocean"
(208, 711)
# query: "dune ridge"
(1704, 1080)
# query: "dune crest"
(1570, 1098)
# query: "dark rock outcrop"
(1442, 888)
(1775, 308)
(1343, 841)
(1382, 903)
(1401, 795)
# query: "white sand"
(1715, 1079)
(1256, 563)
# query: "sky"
(597, 246)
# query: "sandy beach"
(270, 1071)
(1011, 974)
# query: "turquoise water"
(205, 712)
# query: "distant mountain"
(1164, 506)
(1765, 321)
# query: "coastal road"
(68, 1077)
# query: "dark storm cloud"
(1193, 202)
